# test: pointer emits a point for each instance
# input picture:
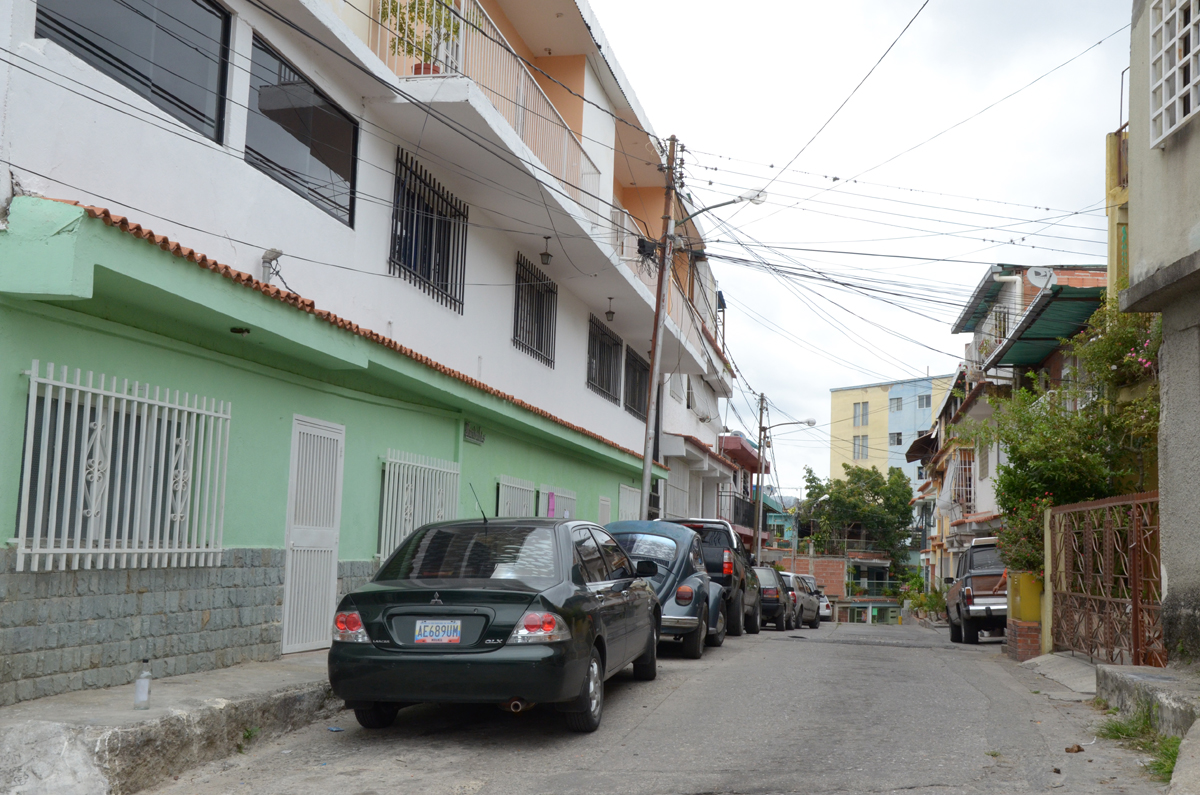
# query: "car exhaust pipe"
(515, 705)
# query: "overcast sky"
(746, 85)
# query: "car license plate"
(438, 631)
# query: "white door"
(314, 513)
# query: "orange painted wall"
(644, 204)
(568, 70)
(506, 28)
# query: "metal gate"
(1106, 580)
(313, 520)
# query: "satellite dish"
(1042, 278)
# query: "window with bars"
(535, 310)
(429, 234)
(896, 404)
(119, 475)
(174, 53)
(416, 490)
(895, 439)
(297, 136)
(964, 479)
(604, 361)
(862, 414)
(860, 448)
(637, 384)
(1174, 65)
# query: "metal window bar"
(119, 474)
(637, 384)
(429, 234)
(417, 490)
(516, 497)
(535, 312)
(604, 361)
(564, 502)
(964, 479)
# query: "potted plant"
(421, 29)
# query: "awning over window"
(922, 447)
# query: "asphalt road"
(842, 709)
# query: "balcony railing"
(427, 39)
(735, 509)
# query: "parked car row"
(518, 612)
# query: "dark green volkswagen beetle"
(508, 611)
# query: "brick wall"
(83, 629)
(1024, 639)
(830, 572)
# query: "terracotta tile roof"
(307, 305)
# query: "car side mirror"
(647, 568)
(949, 580)
(753, 562)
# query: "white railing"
(428, 38)
(119, 474)
(517, 497)
(675, 506)
(556, 503)
(417, 490)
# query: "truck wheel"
(715, 639)
(970, 630)
(737, 615)
(693, 642)
(955, 631)
(754, 622)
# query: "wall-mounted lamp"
(610, 314)
(546, 256)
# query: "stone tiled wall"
(82, 629)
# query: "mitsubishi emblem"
(436, 600)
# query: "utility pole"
(758, 509)
(660, 314)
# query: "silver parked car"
(826, 610)
(808, 604)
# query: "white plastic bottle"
(141, 687)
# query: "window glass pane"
(172, 52)
(618, 564)
(986, 558)
(589, 554)
(475, 552)
(298, 137)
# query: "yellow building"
(1116, 189)
(873, 425)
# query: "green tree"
(863, 500)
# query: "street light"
(664, 283)
(762, 434)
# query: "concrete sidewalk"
(1076, 674)
(93, 741)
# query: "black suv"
(730, 566)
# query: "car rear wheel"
(693, 642)
(379, 715)
(737, 615)
(591, 698)
(716, 638)
(970, 630)
(754, 623)
(816, 621)
(955, 632)
(645, 667)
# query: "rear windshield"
(475, 552)
(713, 537)
(647, 547)
(986, 558)
(766, 576)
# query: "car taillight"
(967, 596)
(727, 566)
(684, 594)
(771, 593)
(348, 627)
(538, 627)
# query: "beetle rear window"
(474, 552)
(647, 547)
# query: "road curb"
(130, 758)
